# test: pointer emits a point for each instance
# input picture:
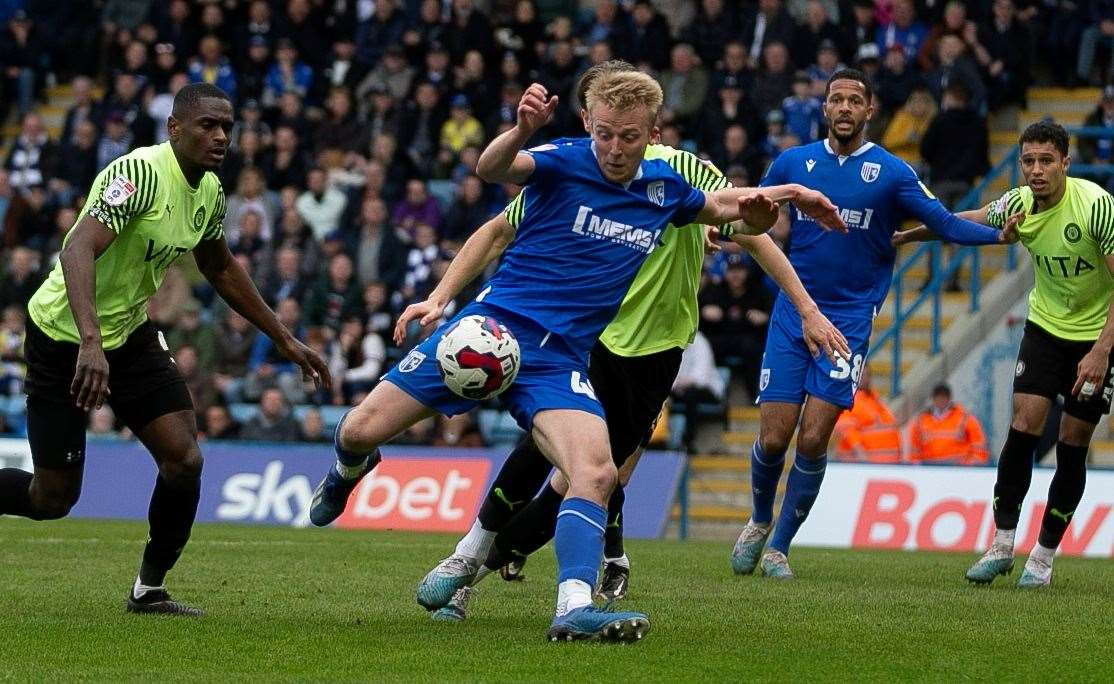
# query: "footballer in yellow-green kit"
(1067, 226)
(89, 341)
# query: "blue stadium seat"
(444, 191)
(242, 412)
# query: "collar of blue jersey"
(842, 158)
(626, 186)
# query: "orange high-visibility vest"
(869, 425)
(954, 436)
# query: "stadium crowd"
(351, 179)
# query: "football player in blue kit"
(848, 274)
(593, 211)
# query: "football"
(478, 357)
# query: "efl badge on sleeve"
(870, 171)
(118, 191)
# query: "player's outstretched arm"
(502, 160)
(478, 251)
(233, 284)
(922, 234)
(90, 238)
(757, 207)
(819, 333)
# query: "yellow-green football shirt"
(144, 198)
(660, 309)
(1069, 244)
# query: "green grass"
(328, 605)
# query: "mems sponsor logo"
(854, 218)
(593, 225)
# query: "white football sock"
(621, 561)
(1004, 538)
(476, 544)
(1042, 553)
(140, 589)
(572, 594)
(351, 472)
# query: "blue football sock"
(800, 493)
(579, 540)
(765, 472)
(351, 458)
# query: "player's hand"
(90, 381)
(1091, 374)
(536, 108)
(818, 207)
(1010, 233)
(312, 365)
(757, 210)
(901, 237)
(821, 336)
(424, 312)
(711, 235)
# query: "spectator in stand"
(869, 61)
(312, 428)
(559, 73)
(956, 67)
(362, 355)
(1100, 151)
(384, 29)
(77, 162)
(33, 158)
(955, 147)
(418, 208)
(340, 132)
(734, 315)
(469, 29)
(85, 107)
(13, 334)
(698, 382)
(198, 379)
(684, 86)
(733, 67)
(906, 129)
(827, 62)
(867, 432)
(160, 104)
(380, 254)
(273, 422)
(165, 65)
(419, 261)
(946, 433)
(295, 233)
(903, 29)
(237, 337)
(251, 196)
(421, 128)
(335, 297)
(252, 71)
(777, 137)
(176, 27)
(287, 75)
(460, 130)
(468, 212)
(1003, 47)
(1099, 33)
(321, 205)
(955, 22)
(774, 82)
(21, 278)
(211, 66)
(126, 103)
(190, 331)
(770, 25)
(457, 431)
(116, 140)
(24, 56)
(285, 164)
(896, 81)
(1062, 23)
(392, 75)
(736, 150)
(377, 315)
(267, 368)
(426, 30)
(802, 110)
(860, 30)
(287, 280)
(219, 423)
(472, 81)
(711, 29)
(816, 30)
(729, 108)
(649, 38)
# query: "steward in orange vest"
(945, 433)
(867, 431)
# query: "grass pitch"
(330, 605)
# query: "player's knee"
(773, 443)
(183, 467)
(599, 478)
(812, 444)
(357, 434)
(52, 506)
(1027, 424)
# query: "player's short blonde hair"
(625, 90)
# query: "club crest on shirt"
(118, 191)
(411, 362)
(869, 171)
(764, 380)
(656, 192)
(199, 218)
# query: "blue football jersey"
(875, 192)
(582, 238)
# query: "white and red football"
(478, 357)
